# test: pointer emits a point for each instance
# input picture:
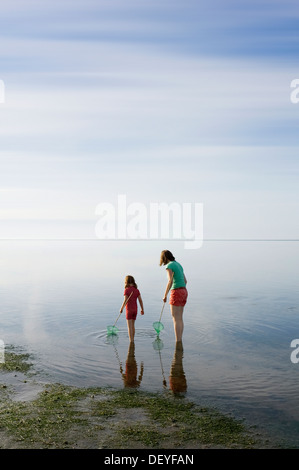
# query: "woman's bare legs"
(177, 315)
(131, 329)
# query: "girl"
(178, 295)
(131, 304)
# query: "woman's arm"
(170, 275)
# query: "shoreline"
(38, 415)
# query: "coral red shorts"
(178, 297)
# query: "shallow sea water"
(57, 299)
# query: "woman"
(178, 292)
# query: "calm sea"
(58, 297)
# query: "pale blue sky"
(162, 101)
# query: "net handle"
(162, 310)
(123, 308)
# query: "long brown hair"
(166, 256)
(130, 280)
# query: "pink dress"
(131, 307)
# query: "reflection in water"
(130, 375)
(131, 379)
(158, 346)
(177, 378)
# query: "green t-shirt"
(178, 277)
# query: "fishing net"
(112, 330)
(158, 326)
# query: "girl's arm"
(185, 279)
(170, 274)
(141, 305)
(124, 303)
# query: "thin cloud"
(95, 92)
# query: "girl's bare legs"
(177, 316)
(131, 329)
